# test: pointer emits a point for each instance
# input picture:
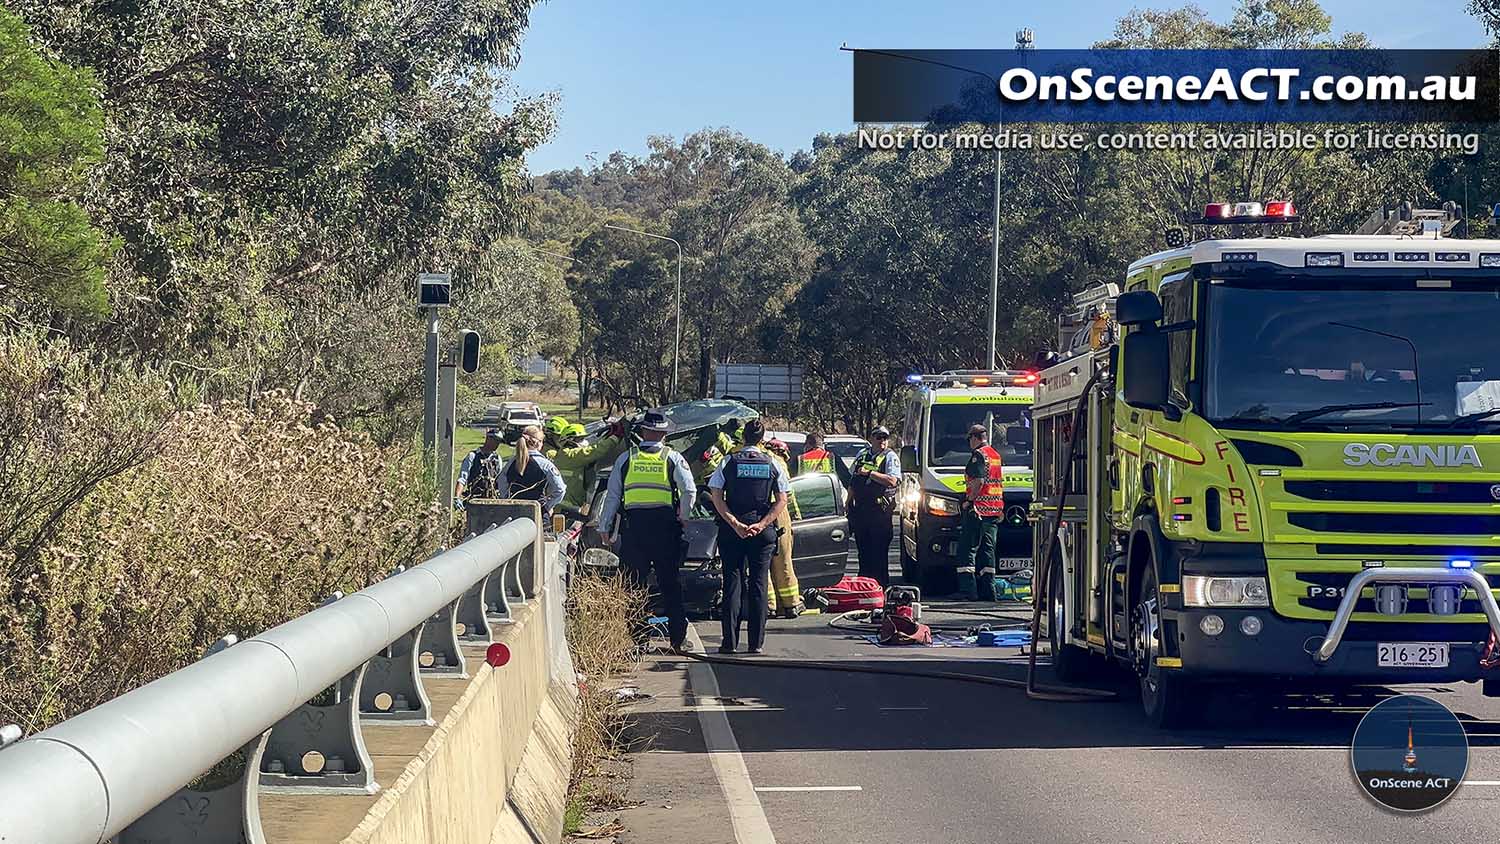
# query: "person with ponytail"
(530, 476)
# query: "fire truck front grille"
(1416, 492)
(1382, 550)
(1398, 523)
(1326, 589)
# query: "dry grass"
(602, 613)
(123, 565)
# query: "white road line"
(809, 788)
(1249, 748)
(1481, 782)
(745, 812)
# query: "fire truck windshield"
(1381, 356)
(948, 432)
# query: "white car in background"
(845, 447)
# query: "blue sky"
(772, 69)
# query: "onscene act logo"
(1409, 753)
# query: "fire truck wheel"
(1166, 697)
(1069, 662)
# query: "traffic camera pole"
(446, 400)
(430, 385)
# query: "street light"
(677, 322)
(1024, 41)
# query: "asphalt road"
(820, 756)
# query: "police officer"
(814, 457)
(872, 501)
(750, 493)
(477, 474)
(653, 486)
(530, 476)
(983, 507)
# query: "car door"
(820, 530)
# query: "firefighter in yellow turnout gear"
(579, 461)
(784, 598)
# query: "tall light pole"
(1025, 40)
(677, 322)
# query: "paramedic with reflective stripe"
(749, 492)
(652, 490)
(983, 507)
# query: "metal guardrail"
(281, 709)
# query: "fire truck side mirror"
(1138, 307)
(1147, 371)
(909, 458)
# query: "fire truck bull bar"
(1424, 576)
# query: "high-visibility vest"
(865, 491)
(648, 480)
(816, 460)
(991, 500)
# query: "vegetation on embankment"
(601, 614)
(137, 527)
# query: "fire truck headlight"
(1211, 625)
(1204, 591)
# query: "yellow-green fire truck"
(935, 449)
(1287, 464)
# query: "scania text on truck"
(1287, 469)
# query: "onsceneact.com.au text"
(1258, 84)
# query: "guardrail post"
(438, 651)
(496, 597)
(483, 515)
(220, 805)
(319, 746)
(392, 688)
(473, 627)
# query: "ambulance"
(934, 452)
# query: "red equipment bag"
(902, 630)
(854, 593)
